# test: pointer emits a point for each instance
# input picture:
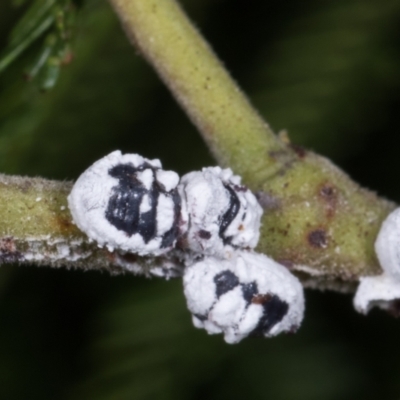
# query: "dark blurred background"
(329, 73)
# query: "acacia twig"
(36, 228)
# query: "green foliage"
(52, 21)
(324, 70)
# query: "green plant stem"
(201, 84)
(36, 228)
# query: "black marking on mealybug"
(201, 317)
(318, 238)
(240, 188)
(123, 209)
(230, 214)
(224, 282)
(172, 234)
(204, 234)
(249, 291)
(274, 309)
(147, 226)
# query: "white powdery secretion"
(223, 214)
(383, 290)
(127, 202)
(249, 294)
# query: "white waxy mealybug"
(383, 290)
(249, 294)
(223, 214)
(129, 203)
(387, 244)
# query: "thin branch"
(36, 228)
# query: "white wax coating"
(208, 200)
(383, 290)
(230, 312)
(90, 196)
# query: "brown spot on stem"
(115, 257)
(266, 201)
(289, 264)
(328, 193)
(129, 257)
(317, 238)
(65, 223)
(394, 308)
(300, 151)
(8, 251)
(25, 186)
(7, 244)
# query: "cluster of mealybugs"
(130, 204)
